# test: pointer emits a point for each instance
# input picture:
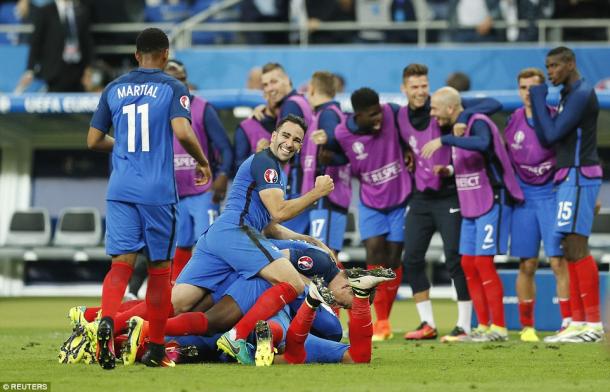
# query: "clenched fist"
(324, 185)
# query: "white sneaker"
(587, 335)
(363, 281)
(565, 334)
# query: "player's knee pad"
(314, 261)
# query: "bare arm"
(99, 141)
(185, 135)
(281, 210)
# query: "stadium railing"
(549, 30)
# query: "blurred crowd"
(62, 48)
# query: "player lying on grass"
(312, 335)
(295, 335)
(306, 258)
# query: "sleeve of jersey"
(478, 140)
(219, 138)
(328, 122)
(550, 129)
(486, 106)
(181, 102)
(290, 107)
(242, 147)
(102, 118)
(265, 172)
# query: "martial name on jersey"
(137, 90)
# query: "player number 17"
(130, 111)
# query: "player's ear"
(138, 56)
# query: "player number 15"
(130, 111)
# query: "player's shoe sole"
(75, 347)
(363, 281)
(319, 291)
(265, 352)
(105, 345)
(134, 339)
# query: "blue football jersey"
(244, 205)
(140, 106)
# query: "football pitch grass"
(32, 329)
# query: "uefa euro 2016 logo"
(358, 148)
(271, 176)
(518, 139)
(305, 263)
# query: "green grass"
(31, 330)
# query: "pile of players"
(440, 155)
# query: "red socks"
(392, 288)
(588, 284)
(181, 257)
(475, 288)
(297, 333)
(158, 302)
(493, 288)
(360, 331)
(576, 305)
(268, 304)
(191, 323)
(277, 332)
(564, 308)
(381, 299)
(526, 313)
(120, 320)
(114, 286)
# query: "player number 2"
(130, 111)
(565, 210)
(489, 232)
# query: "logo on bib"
(518, 139)
(305, 263)
(358, 148)
(185, 102)
(271, 176)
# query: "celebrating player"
(144, 106)
(487, 188)
(573, 134)
(533, 220)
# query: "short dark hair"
(565, 54)
(325, 82)
(459, 81)
(364, 98)
(414, 69)
(272, 66)
(293, 118)
(152, 40)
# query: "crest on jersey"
(413, 144)
(271, 176)
(185, 102)
(305, 263)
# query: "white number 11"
(130, 111)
